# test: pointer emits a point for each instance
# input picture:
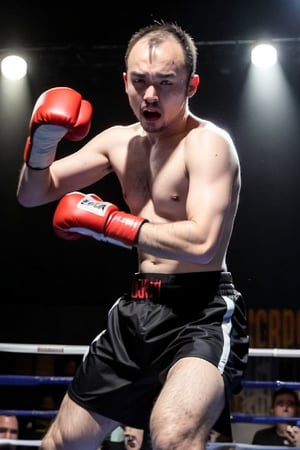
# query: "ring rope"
(271, 384)
(235, 418)
(44, 349)
(81, 349)
(32, 443)
(248, 418)
(209, 445)
(49, 414)
(275, 352)
(236, 446)
(33, 380)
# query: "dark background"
(53, 291)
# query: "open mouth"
(151, 115)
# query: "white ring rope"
(275, 352)
(209, 445)
(81, 349)
(44, 349)
(33, 443)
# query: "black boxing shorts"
(123, 371)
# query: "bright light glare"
(264, 55)
(13, 67)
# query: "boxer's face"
(157, 83)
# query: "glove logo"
(86, 214)
(92, 206)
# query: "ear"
(193, 85)
(125, 80)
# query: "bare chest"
(157, 182)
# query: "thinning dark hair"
(158, 32)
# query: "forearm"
(79, 214)
(33, 187)
(180, 240)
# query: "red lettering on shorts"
(144, 288)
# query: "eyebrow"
(5, 430)
(291, 402)
(157, 75)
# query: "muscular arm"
(73, 172)
(214, 183)
(195, 232)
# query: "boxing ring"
(67, 350)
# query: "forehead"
(161, 56)
(8, 421)
(285, 398)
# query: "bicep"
(81, 168)
(211, 177)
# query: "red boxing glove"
(59, 112)
(79, 215)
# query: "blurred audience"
(136, 439)
(285, 403)
(115, 441)
(69, 367)
(9, 429)
(128, 438)
(38, 425)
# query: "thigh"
(191, 400)
(75, 428)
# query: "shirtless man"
(175, 347)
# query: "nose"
(151, 95)
(8, 434)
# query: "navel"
(175, 197)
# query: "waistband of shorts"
(158, 285)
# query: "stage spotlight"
(264, 55)
(13, 67)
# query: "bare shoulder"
(210, 137)
(120, 131)
(206, 129)
(210, 149)
(112, 140)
